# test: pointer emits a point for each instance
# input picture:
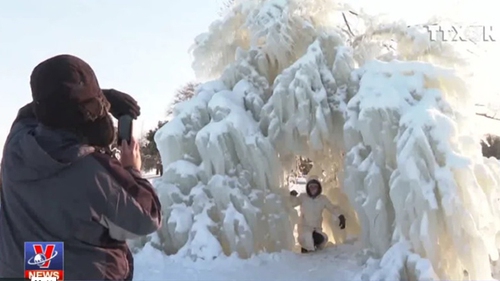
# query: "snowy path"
(335, 263)
(150, 176)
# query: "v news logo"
(47, 253)
(44, 261)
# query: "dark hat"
(66, 93)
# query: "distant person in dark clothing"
(159, 168)
(59, 186)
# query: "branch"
(487, 116)
(347, 23)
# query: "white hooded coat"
(311, 216)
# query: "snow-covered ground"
(333, 263)
(150, 175)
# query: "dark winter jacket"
(57, 189)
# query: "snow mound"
(387, 124)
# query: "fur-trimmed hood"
(320, 188)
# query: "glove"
(294, 193)
(121, 104)
(342, 221)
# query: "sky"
(139, 47)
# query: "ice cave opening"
(330, 176)
(386, 116)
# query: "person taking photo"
(58, 185)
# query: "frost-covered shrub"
(377, 109)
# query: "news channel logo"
(44, 261)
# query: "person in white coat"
(312, 203)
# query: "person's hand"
(294, 193)
(342, 221)
(121, 104)
(130, 154)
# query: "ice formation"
(382, 115)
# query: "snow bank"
(390, 133)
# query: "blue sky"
(140, 47)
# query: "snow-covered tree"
(374, 105)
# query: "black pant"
(159, 170)
(318, 238)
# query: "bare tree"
(226, 5)
(149, 151)
(489, 111)
(183, 94)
